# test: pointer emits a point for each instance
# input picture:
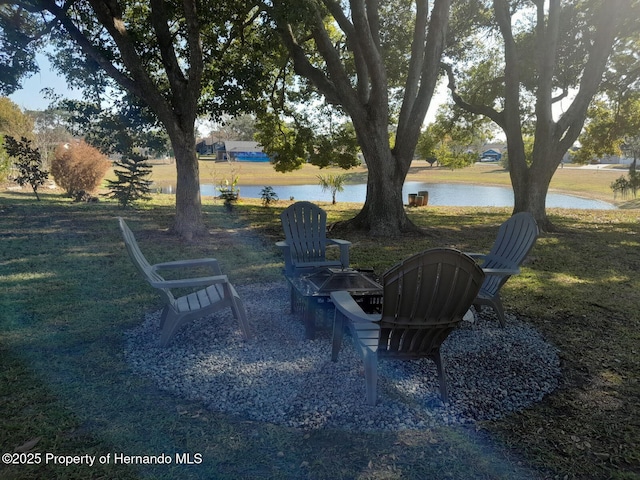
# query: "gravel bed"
(280, 377)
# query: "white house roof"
(242, 146)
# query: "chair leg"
(240, 314)
(163, 317)
(442, 379)
(171, 324)
(338, 335)
(371, 375)
(497, 306)
(292, 298)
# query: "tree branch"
(362, 69)
(377, 78)
(416, 109)
(303, 67)
(159, 20)
(570, 124)
(497, 117)
(416, 61)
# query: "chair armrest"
(346, 305)
(501, 272)
(196, 262)
(337, 241)
(190, 282)
(476, 256)
(344, 250)
(286, 252)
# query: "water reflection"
(440, 194)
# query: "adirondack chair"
(217, 293)
(515, 239)
(424, 298)
(305, 244)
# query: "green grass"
(68, 292)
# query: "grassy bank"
(69, 292)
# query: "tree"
(50, 130)
(28, 163)
(17, 48)
(164, 53)
(624, 185)
(240, 127)
(549, 50)
(375, 62)
(125, 128)
(332, 183)
(613, 128)
(454, 140)
(131, 184)
(14, 123)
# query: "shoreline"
(583, 182)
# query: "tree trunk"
(531, 185)
(383, 211)
(188, 220)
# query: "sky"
(30, 97)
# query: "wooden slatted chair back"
(425, 297)
(305, 230)
(514, 241)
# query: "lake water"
(440, 194)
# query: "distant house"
(245, 151)
(232, 151)
(207, 146)
(491, 154)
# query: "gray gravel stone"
(282, 378)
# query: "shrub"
(28, 162)
(268, 196)
(229, 191)
(625, 185)
(79, 167)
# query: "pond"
(440, 194)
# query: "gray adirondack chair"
(515, 239)
(424, 298)
(305, 243)
(217, 293)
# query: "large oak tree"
(377, 61)
(534, 54)
(167, 54)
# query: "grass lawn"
(68, 292)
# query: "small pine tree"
(131, 184)
(29, 163)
